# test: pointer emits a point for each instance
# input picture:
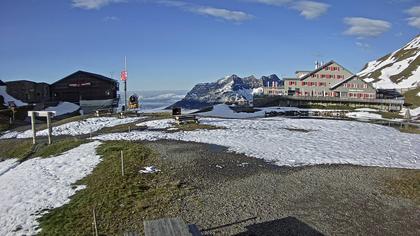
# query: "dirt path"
(238, 195)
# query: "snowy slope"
(75, 128)
(400, 69)
(298, 142)
(63, 108)
(41, 183)
(7, 98)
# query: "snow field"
(299, 142)
(76, 127)
(39, 184)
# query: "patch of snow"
(418, 95)
(364, 115)
(6, 165)
(413, 112)
(158, 124)
(7, 98)
(63, 108)
(257, 91)
(224, 111)
(328, 142)
(9, 134)
(149, 170)
(366, 109)
(76, 127)
(42, 183)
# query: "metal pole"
(33, 127)
(125, 82)
(49, 128)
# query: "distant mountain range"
(229, 89)
(399, 69)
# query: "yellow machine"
(133, 102)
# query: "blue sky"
(176, 44)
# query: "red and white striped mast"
(124, 76)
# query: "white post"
(94, 222)
(122, 163)
(33, 127)
(49, 128)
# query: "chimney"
(316, 65)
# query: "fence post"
(49, 128)
(94, 222)
(122, 163)
(33, 127)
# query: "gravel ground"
(237, 195)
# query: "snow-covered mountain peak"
(415, 43)
(228, 89)
(399, 69)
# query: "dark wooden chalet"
(29, 91)
(83, 86)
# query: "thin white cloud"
(364, 46)
(365, 27)
(414, 19)
(110, 18)
(93, 4)
(237, 16)
(273, 2)
(219, 13)
(310, 9)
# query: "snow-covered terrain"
(76, 127)
(158, 124)
(38, 184)
(413, 112)
(397, 65)
(224, 111)
(63, 108)
(7, 98)
(364, 115)
(298, 142)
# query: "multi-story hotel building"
(328, 80)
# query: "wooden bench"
(170, 227)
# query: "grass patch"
(409, 129)
(4, 126)
(122, 128)
(159, 115)
(407, 186)
(121, 203)
(58, 147)
(390, 115)
(412, 98)
(14, 148)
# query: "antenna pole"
(125, 82)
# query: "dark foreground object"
(169, 227)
